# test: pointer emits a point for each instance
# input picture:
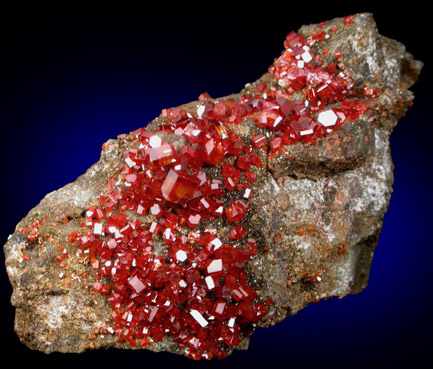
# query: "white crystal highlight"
(327, 118)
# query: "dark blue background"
(70, 81)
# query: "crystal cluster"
(196, 289)
(185, 237)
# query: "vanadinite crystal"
(228, 214)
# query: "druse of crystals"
(169, 241)
(197, 291)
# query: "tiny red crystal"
(236, 211)
(237, 232)
(258, 141)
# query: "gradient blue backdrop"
(69, 82)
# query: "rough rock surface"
(316, 215)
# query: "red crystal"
(248, 149)
(136, 284)
(156, 210)
(370, 91)
(255, 160)
(193, 220)
(285, 104)
(131, 178)
(261, 87)
(228, 170)
(235, 147)
(237, 232)
(179, 186)
(258, 141)
(161, 156)
(214, 152)
(204, 96)
(192, 132)
(348, 20)
(243, 162)
(236, 211)
(332, 68)
(276, 143)
(229, 184)
(250, 176)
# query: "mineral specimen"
(223, 215)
